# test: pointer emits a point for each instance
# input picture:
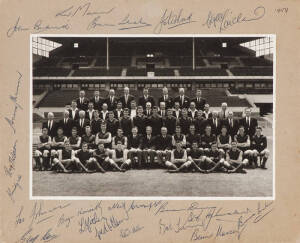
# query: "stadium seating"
(51, 71)
(220, 59)
(120, 61)
(164, 72)
(255, 61)
(48, 62)
(97, 72)
(199, 61)
(136, 72)
(59, 98)
(101, 61)
(37, 91)
(251, 91)
(203, 72)
(251, 71)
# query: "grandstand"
(104, 63)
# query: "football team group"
(179, 134)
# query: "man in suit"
(97, 100)
(51, 125)
(199, 101)
(231, 124)
(183, 100)
(81, 123)
(66, 123)
(82, 101)
(146, 98)
(206, 113)
(148, 146)
(126, 98)
(90, 111)
(104, 112)
(111, 100)
(74, 111)
(166, 98)
(148, 110)
(223, 114)
(192, 113)
(185, 122)
(177, 112)
(249, 123)
(133, 109)
(162, 109)
(215, 123)
(119, 111)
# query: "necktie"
(249, 121)
(96, 99)
(181, 99)
(165, 98)
(126, 99)
(80, 100)
(65, 121)
(197, 99)
(81, 123)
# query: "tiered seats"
(136, 72)
(218, 60)
(97, 72)
(180, 61)
(251, 71)
(47, 62)
(255, 61)
(60, 98)
(83, 61)
(145, 59)
(101, 61)
(37, 91)
(203, 72)
(164, 72)
(215, 97)
(120, 61)
(199, 61)
(51, 71)
(251, 91)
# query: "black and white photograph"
(152, 116)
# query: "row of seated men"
(141, 120)
(177, 152)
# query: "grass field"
(157, 182)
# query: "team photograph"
(145, 116)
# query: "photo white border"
(31, 197)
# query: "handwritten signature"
(226, 19)
(173, 19)
(14, 99)
(11, 191)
